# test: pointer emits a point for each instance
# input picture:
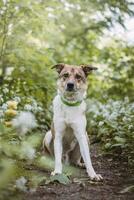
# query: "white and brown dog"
(68, 139)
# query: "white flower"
(5, 90)
(4, 106)
(124, 119)
(17, 99)
(105, 115)
(101, 123)
(28, 107)
(28, 151)
(113, 116)
(40, 108)
(24, 122)
(21, 184)
(130, 126)
(4, 2)
(122, 110)
(92, 122)
(31, 153)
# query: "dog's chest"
(68, 113)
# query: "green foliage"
(17, 155)
(113, 124)
(118, 76)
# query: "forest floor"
(116, 176)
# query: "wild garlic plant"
(113, 124)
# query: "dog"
(68, 140)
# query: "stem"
(5, 31)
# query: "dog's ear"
(59, 67)
(88, 69)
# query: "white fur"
(47, 140)
(74, 117)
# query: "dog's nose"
(70, 86)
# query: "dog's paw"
(55, 172)
(96, 177)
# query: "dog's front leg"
(80, 133)
(58, 150)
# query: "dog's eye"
(66, 75)
(78, 76)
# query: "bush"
(113, 123)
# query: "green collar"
(68, 103)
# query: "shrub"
(113, 123)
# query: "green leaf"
(60, 178)
(116, 145)
(108, 145)
(119, 139)
(127, 189)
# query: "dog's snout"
(70, 86)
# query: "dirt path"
(116, 178)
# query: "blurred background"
(35, 35)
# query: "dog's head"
(72, 79)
